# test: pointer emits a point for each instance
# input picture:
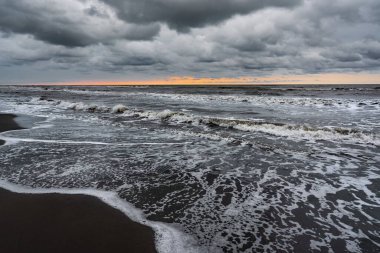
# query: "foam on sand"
(168, 239)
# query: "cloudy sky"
(209, 40)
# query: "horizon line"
(307, 79)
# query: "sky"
(189, 41)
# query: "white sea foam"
(310, 133)
(259, 100)
(332, 184)
(85, 107)
(119, 108)
(342, 103)
(168, 239)
(13, 140)
(79, 106)
(278, 129)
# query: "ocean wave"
(258, 100)
(296, 132)
(119, 108)
(340, 103)
(80, 106)
(305, 132)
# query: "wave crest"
(305, 132)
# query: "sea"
(210, 169)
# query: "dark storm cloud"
(142, 32)
(361, 53)
(134, 61)
(184, 14)
(372, 52)
(20, 17)
(222, 37)
(68, 23)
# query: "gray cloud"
(182, 15)
(128, 38)
(73, 23)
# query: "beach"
(210, 169)
(65, 223)
(7, 124)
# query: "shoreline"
(58, 222)
(7, 123)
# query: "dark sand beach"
(7, 123)
(65, 223)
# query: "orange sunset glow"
(322, 79)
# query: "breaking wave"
(342, 103)
(296, 132)
(257, 100)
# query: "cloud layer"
(217, 38)
(184, 14)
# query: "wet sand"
(7, 123)
(65, 223)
